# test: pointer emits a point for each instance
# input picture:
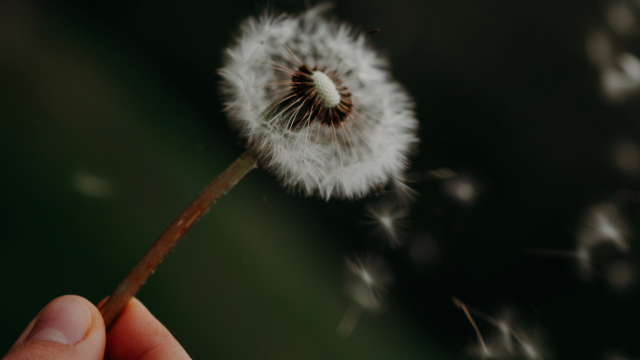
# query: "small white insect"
(318, 103)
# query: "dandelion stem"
(147, 265)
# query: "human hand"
(71, 328)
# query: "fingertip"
(138, 335)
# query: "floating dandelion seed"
(389, 219)
(619, 69)
(92, 185)
(318, 103)
(403, 192)
(602, 224)
(620, 18)
(511, 341)
(367, 281)
(462, 188)
(626, 156)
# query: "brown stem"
(147, 265)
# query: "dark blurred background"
(110, 123)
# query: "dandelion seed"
(318, 103)
(403, 192)
(441, 173)
(463, 189)
(92, 185)
(530, 351)
(620, 18)
(501, 345)
(367, 282)
(599, 48)
(389, 219)
(602, 224)
(626, 156)
(503, 325)
(619, 69)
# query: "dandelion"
(315, 105)
(367, 282)
(318, 103)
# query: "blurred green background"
(111, 123)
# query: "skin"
(136, 335)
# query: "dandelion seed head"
(319, 104)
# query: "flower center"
(326, 89)
(316, 95)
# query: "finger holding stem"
(147, 265)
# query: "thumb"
(68, 328)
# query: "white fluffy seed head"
(319, 104)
